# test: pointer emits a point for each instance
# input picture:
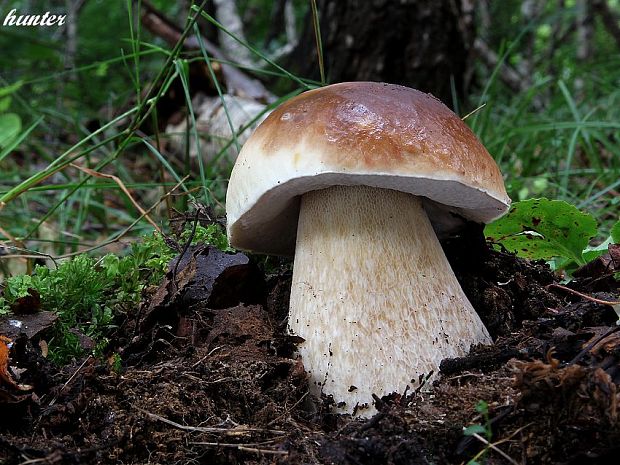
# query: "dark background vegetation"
(542, 77)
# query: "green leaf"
(7, 149)
(111, 265)
(8, 90)
(474, 429)
(17, 287)
(5, 103)
(10, 125)
(5, 308)
(102, 69)
(482, 407)
(615, 233)
(590, 253)
(544, 229)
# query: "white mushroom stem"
(373, 294)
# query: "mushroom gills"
(373, 295)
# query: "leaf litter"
(209, 375)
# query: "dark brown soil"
(212, 379)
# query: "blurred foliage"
(258, 17)
(37, 56)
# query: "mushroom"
(355, 179)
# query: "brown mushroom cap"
(357, 133)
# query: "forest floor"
(206, 379)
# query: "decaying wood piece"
(214, 127)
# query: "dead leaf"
(44, 348)
(29, 325)
(28, 304)
(5, 376)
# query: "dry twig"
(244, 447)
(71, 378)
(584, 296)
(492, 446)
(240, 430)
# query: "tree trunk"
(418, 43)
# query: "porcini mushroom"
(355, 179)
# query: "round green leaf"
(5, 103)
(10, 125)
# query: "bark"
(214, 127)
(417, 43)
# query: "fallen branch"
(237, 82)
(227, 15)
(511, 77)
(27, 253)
(292, 38)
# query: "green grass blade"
(165, 163)
(319, 42)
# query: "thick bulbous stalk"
(373, 295)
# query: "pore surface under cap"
(359, 133)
